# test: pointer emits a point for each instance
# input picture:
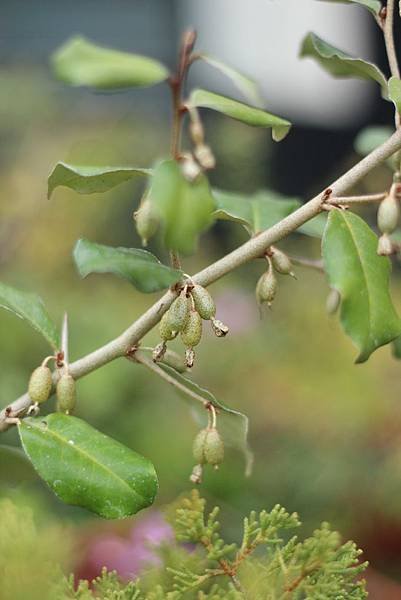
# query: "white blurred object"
(262, 38)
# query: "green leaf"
(396, 347)
(139, 267)
(15, 466)
(315, 227)
(394, 92)
(30, 307)
(80, 63)
(244, 84)
(90, 180)
(241, 112)
(232, 425)
(83, 467)
(186, 208)
(340, 64)
(373, 5)
(371, 137)
(362, 278)
(255, 212)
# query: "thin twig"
(388, 31)
(345, 200)
(250, 250)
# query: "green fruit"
(192, 332)
(40, 384)
(165, 331)
(147, 221)
(203, 301)
(388, 214)
(208, 447)
(66, 393)
(178, 313)
(281, 262)
(266, 287)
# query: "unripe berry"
(66, 393)
(147, 221)
(165, 331)
(388, 214)
(203, 301)
(192, 332)
(281, 262)
(178, 313)
(333, 301)
(266, 287)
(208, 447)
(40, 384)
(385, 246)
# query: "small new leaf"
(79, 62)
(362, 278)
(30, 307)
(245, 85)
(141, 268)
(394, 92)
(91, 180)
(340, 64)
(83, 467)
(185, 207)
(250, 115)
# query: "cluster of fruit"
(266, 288)
(41, 384)
(184, 317)
(388, 216)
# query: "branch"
(388, 31)
(251, 250)
(345, 200)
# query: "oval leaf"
(233, 425)
(241, 112)
(373, 5)
(257, 211)
(30, 307)
(83, 467)
(186, 208)
(80, 63)
(340, 64)
(244, 84)
(90, 180)
(139, 267)
(362, 278)
(394, 92)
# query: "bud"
(266, 287)
(205, 157)
(219, 329)
(203, 301)
(333, 301)
(190, 168)
(196, 475)
(192, 332)
(159, 351)
(174, 360)
(40, 385)
(189, 358)
(385, 245)
(66, 393)
(281, 262)
(208, 447)
(388, 214)
(178, 313)
(147, 220)
(165, 331)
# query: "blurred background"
(326, 433)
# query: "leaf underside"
(373, 5)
